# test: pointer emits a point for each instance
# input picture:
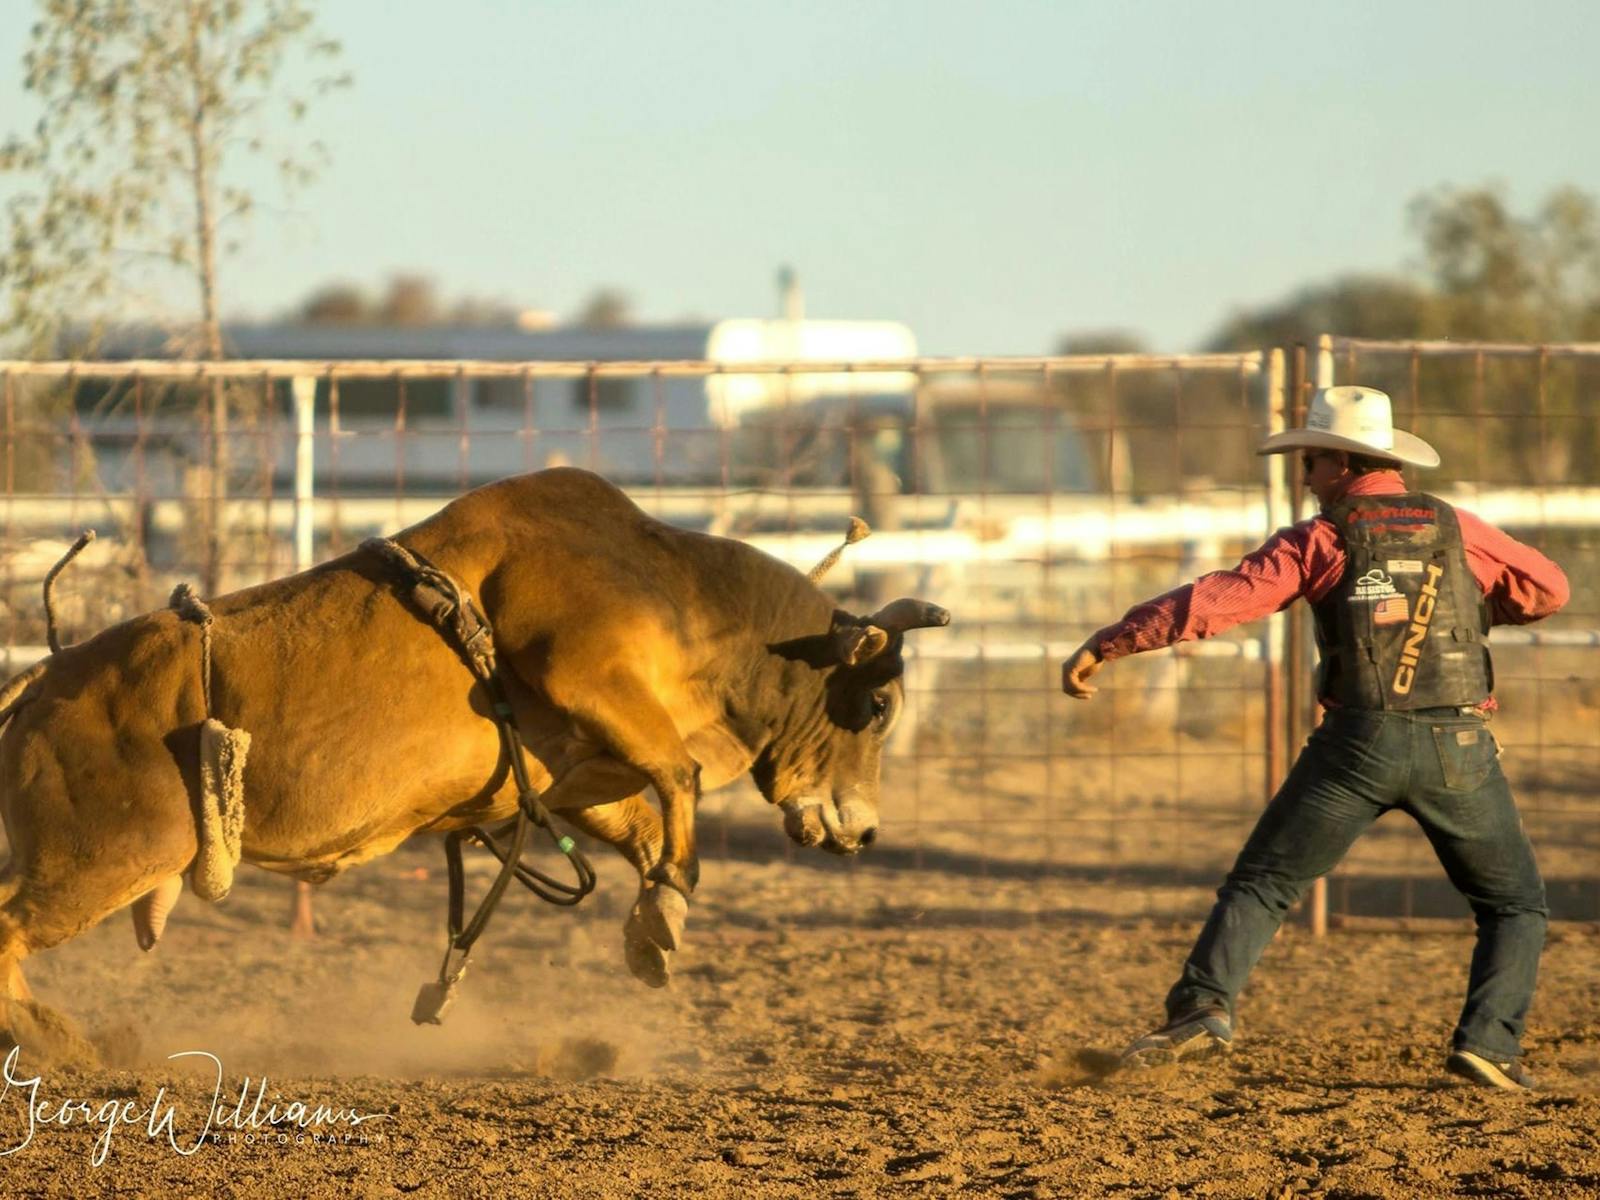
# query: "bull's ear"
(817, 651)
(846, 645)
(860, 643)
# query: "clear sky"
(993, 173)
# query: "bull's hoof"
(647, 962)
(661, 912)
(47, 1038)
(685, 878)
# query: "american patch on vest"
(1404, 566)
(1374, 585)
(1391, 610)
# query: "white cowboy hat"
(1357, 419)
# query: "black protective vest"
(1406, 626)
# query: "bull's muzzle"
(839, 829)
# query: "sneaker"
(1487, 1072)
(1203, 1033)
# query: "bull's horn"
(857, 531)
(897, 616)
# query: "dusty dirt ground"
(877, 1028)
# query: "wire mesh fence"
(1037, 499)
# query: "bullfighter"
(1403, 589)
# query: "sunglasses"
(1308, 460)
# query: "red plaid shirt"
(1308, 559)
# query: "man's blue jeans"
(1441, 766)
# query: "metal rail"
(256, 369)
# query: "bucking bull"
(634, 654)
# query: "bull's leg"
(54, 902)
(75, 862)
(619, 709)
(602, 782)
(12, 949)
(623, 714)
(633, 828)
(41, 1032)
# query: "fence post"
(1324, 360)
(302, 923)
(216, 576)
(1299, 647)
(1278, 515)
(304, 390)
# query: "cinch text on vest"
(1411, 652)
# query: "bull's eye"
(880, 705)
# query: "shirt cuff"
(1112, 642)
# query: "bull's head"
(823, 771)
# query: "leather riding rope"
(461, 622)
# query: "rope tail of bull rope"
(459, 619)
(188, 605)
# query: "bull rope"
(186, 602)
(223, 752)
(456, 615)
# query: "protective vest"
(1406, 626)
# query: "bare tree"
(147, 105)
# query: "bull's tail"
(73, 551)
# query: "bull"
(635, 655)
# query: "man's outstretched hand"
(1077, 671)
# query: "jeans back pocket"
(1467, 754)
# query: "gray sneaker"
(1508, 1075)
(1203, 1033)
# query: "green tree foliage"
(335, 304)
(408, 300)
(1354, 305)
(1483, 273)
(148, 106)
(1497, 276)
(607, 308)
(1101, 341)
